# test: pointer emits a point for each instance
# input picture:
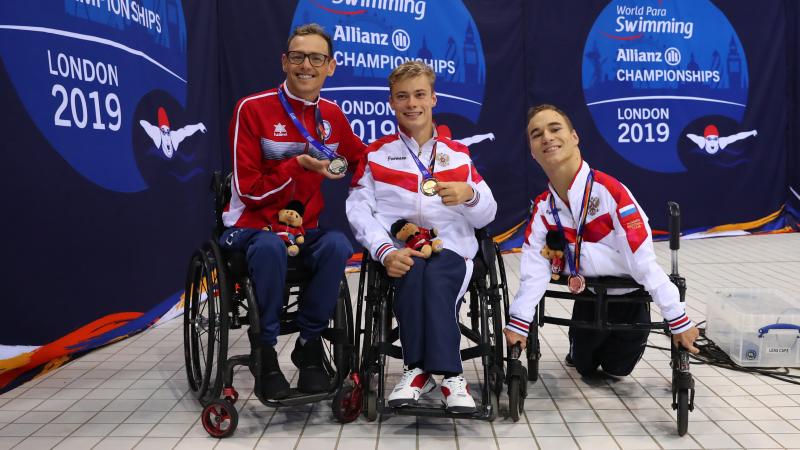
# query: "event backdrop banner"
(107, 159)
(682, 100)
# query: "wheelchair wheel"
(205, 322)
(494, 401)
(683, 411)
(220, 419)
(348, 401)
(516, 403)
(370, 397)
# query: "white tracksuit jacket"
(386, 187)
(617, 242)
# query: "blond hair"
(411, 69)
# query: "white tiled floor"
(133, 394)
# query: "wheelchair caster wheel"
(516, 402)
(348, 401)
(371, 408)
(220, 418)
(230, 394)
(683, 411)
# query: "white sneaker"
(456, 395)
(413, 384)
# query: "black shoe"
(308, 358)
(273, 383)
(568, 361)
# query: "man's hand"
(512, 338)
(308, 162)
(454, 192)
(686, 339)
(399, 262)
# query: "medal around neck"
(428, 186)
(337, 166)
(576, 284)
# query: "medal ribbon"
(574, 265)
(330, 154)
(427, 172)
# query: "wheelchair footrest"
(390, 350)
(297, 398)
(482, 412)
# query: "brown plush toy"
(554, 251)
(290, 226)
(416, 237)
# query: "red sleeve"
(627, 212)
(253, 186)
(361, 164)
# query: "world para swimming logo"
(652, 68)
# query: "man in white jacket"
(598, 215)
(415, 175)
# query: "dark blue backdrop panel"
(578, 61)
(84, 245)
(793, 93)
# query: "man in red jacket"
(284, 142)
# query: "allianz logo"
(400, 39)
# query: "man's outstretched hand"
(319, 166)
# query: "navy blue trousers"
(617, 352)
(324, 252)
(426, 305)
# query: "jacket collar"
(575, 191)
(295, 99)
(426, 148)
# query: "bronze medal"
(428, 186)
(337, 166)
(576, 284)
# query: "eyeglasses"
(316, 59)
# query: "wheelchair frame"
(487, 298)
(682, 381)
(220, 296)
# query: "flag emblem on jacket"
(626, 211)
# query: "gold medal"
(428, 186)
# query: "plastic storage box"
(755, 327)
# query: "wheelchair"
(219, 297)
(376, 334)
(597, 292)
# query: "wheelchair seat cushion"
(296, 272)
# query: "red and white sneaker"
(457, 398)
(413, 384)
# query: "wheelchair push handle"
(674, 225)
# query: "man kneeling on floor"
(606, 233)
